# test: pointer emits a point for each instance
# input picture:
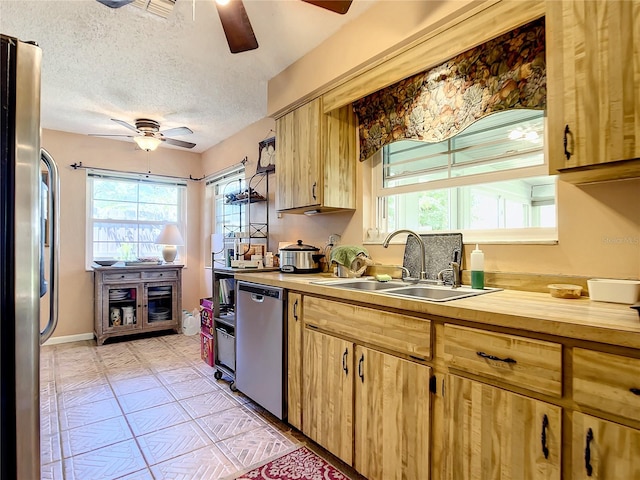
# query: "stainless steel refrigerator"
(25, 208)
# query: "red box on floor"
(206, 315)
(206, 348)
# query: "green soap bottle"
(477, 268)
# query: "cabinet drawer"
(523, 362)
(164, 275)
(392, 331)
(607, 382)
(120, 277)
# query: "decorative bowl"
(105, 263)
(564, 290)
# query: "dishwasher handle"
(257, 298)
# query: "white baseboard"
(69, 338)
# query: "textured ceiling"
(127, 63)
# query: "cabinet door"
(604, 450)
(298, 150)
(328, 393)
(160, 305)
(493, 434)
(294, 370)
(392, 417)
(339, 158)
(593, 72)
(122, 308)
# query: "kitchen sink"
(439, 294)
(422, 291)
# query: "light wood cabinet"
(603, 450)
(594, 101)
(607, 382)
(294, 356)
(316, 159)
(523, 362)
(369, 408)
(328, 393)
(130, 300)
(494, 434)
(392, 412)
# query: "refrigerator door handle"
(54, 244)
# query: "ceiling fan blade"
(103, 135)
(126, 125)
(337, 6)
(237, 27)
(172, 132)
(178, 143)
(115, 3)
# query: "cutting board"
(441, 249)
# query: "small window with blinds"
(492, 176)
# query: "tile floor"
(149, 409)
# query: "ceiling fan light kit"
(148, 143)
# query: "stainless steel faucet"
(423, 250)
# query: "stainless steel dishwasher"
(260, 352)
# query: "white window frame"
(214, 192)
(123, 176)
(375, 229)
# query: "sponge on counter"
(383, 278)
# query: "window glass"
(486, 178)
(128, 213)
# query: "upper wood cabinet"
(593, 65)
(316, 159)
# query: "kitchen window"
(490, 182)
(126, 213)
(225, 217)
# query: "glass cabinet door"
(122, 303)
(160, 303)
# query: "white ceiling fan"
(149, 136)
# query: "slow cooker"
(300, 258)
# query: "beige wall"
(76, 284)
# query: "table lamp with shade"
(170, 237)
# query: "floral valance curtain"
(504, 73)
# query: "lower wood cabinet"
(368, 408)
(493, 434)
(392, 413)
(294, 359)
(328, 393)
(604, 450)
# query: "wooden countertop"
(582, 319)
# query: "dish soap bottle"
(477, 268)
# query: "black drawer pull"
(587, 453)
(360, 368)
(543, 436)
(494, 358)
(344, 361)
(295, 310)
(635, 391)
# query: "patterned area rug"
(301, 464)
